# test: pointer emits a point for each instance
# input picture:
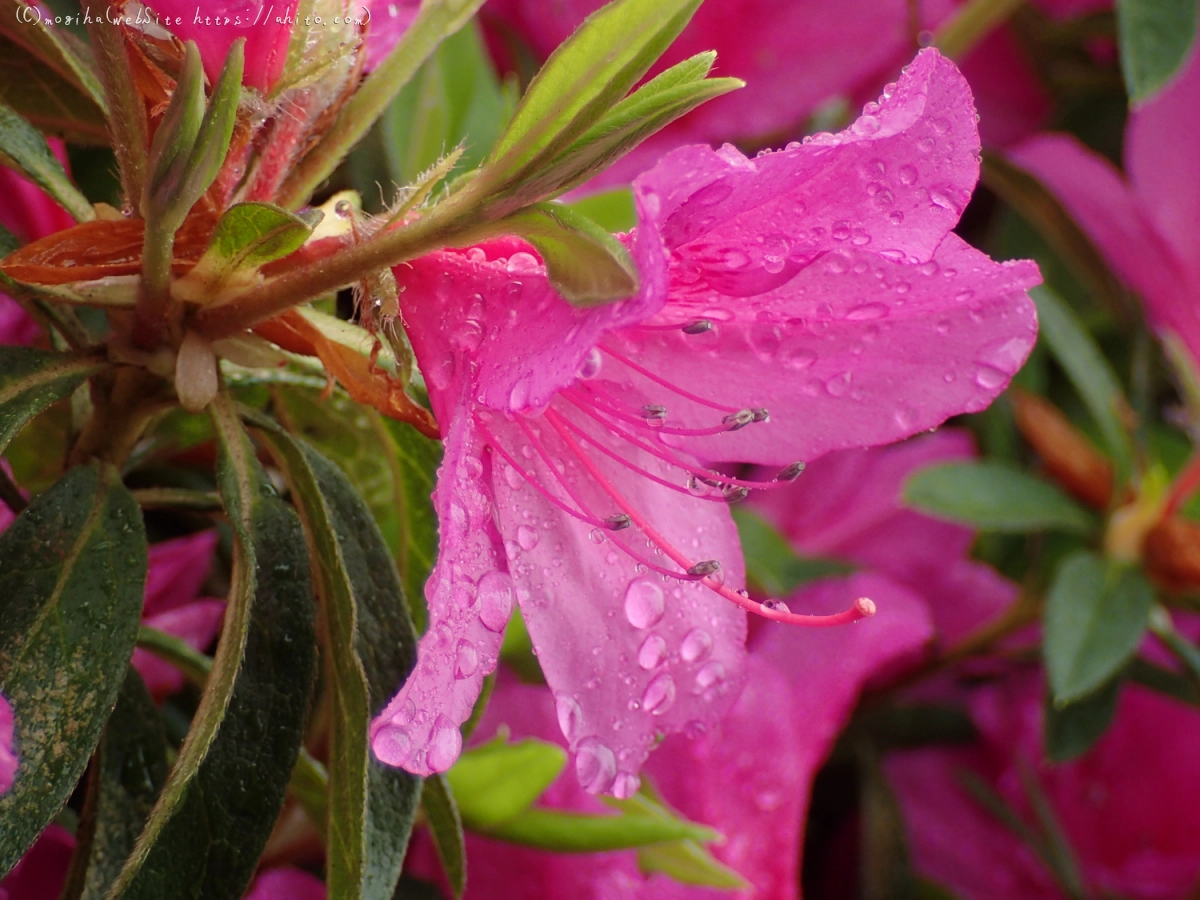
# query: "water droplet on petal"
(527, 537)
(570, 715)
(591, 364)
(697, 644)
(595, 765)
(908, 174)
(712, 674)
(652, 652)
(626, 785)
(466, 662)
(392, 744)
(659, 695)
(775, 606)
(523, 264)
(445, 742)
(989, 377)
(495, 600)
(644, 603)
(867, 311)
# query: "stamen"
(791, 473)
(668, 385)
(700, 326)
(739, 420)
(654, 415)
(862, 608)
(704, 567)
(618, 522)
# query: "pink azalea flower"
(286, 884)
(29, 214)
(8, 756)
(848, 507)
(214, 26)
(821, 283)
(1127, 808)
(43, 869)
(389, 19)
(1147, 221)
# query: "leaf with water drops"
(72, 573)
(372, 648)
(30, 380)
(127, 773)
(994, 496)
(1097, 612)
(224, 793)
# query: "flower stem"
(151, 323)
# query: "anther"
(618, 522)
(654, 413)
(775, 606)
(761, 414)
(738, 420)
(791, 473)
(700, 326)
(705, 568)
(732, 493)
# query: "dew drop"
(595, 765)
(908, 174)
(840, 230)
(644, 603)
(626, 785)
(466, 661)
(697, 644)
(495, 600)
(712, 674)
(867, 311)
(518, 397)
(392, 744)
(652, 652)
(527, 537)
(989, 377)
(798, 358)
(522, 264)
(590, 366)
(445, 742)
(660, 694)
(570, 715)
(775, 606)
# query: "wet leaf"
(30, 380)
(72, 573)
(55, 47)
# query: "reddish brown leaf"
(1068, 456)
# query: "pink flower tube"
(800, 302)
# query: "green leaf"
(56, 47)
(30, 380)
(1088, 370)
(586, 264)
(247, 236)
(612, 210)
(772, 564)
(1071, 730)
(22, 147)
(372, 648)
(127, 774)
(567, 832)
(72, 573)
(689, 863)
(418, 458)
(994, 496)
(496, 781)
(49, 101)
(446, 828)
(175, 137)
(207, 832)
(1155, 37)
(1096, 614)
(585, 77)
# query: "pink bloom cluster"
(787, 302)
(1147, 221)
(8, 756)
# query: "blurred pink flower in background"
(1147, 220)
(1133, 832)
(43, 869)
(214, 26)
(801, 293)
(29, 214)
(8, 757)
(389, 20)
(286, 884)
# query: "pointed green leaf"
(56, 47)
(72, 573)
(586, 76)
(496, 781)
(772, 564)
(175, 137)
(127, 773)
(567, 832)
(689, 863)
(586, 264)
(1096, 614)
(993, 496)
(446, 829)
(49, 101)
(1155, 38)
(372, 650)
(1088, 370)
(208, 830)
(1072, 730)
(418, 458)
(22, 147)
(30, 380)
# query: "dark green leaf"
(30, 380)
(586, 264)
(1088, 370)
(372, 650)
(496, 781)
(22, 147)
(72, 573)
(1071, 730)
(587, 75)
(993, 496)
(418, 458)
(1096, 614)
(772, 564)
(127, 773)
(225, 791)
(1155, 37)
(446, 828)
(56, 47)
(50, 102)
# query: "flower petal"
(43, 869)
(829, 353)
(8, 756)
(197, 624)
(177, 569)
(470, 597)
(629, 654)
(286, 884)
(215, 26)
